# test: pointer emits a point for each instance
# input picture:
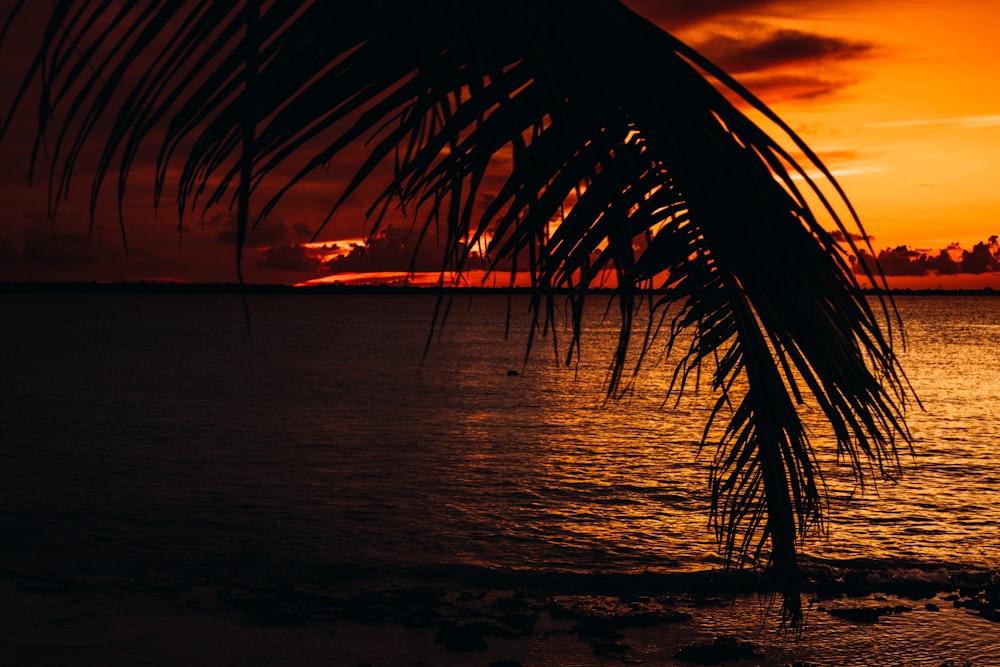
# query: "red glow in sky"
(897, 97)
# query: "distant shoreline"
(157, 287)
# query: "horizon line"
(222, 287)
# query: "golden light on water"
(636, 481)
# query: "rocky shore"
(586, 620)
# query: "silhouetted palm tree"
(618, 154)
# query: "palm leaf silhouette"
(618, 155)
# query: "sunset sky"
(899, 98)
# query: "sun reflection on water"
(636, 480)
(335, 437)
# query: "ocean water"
(151, 436)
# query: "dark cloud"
(898, 261)
(291, 257)
(790, 63)
(838, 236)
(902, 261)
(983, 258)
(66, 251)
(265, 234)
(679, 13)
(803, 86)
(41, 242)
(785, 64)
(759, 49)
(393, 249)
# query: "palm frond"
(618, 155)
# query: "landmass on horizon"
(170, 287)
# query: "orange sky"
(911, 124)
(898, 97)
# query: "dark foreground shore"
(578, 622)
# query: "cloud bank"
(751, 39)
(903, 261)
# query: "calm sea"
(151, 436)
